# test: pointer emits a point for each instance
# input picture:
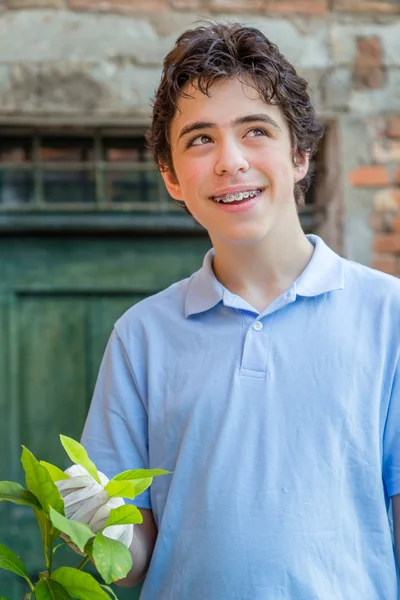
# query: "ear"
(172, 184)
(301, 165)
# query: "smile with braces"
(236, 197)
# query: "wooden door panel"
(5, 404)
(52, 372)
(59, 300)
(59, 341)
(106, 265)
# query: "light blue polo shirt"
(282, 430)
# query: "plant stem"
(50, 567)
(59, 546)
(83, 562)
(46, 543)
(29, 582)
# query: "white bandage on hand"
(86, 500)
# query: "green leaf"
(79, 585)
(128, 488)
(140, 474)
(142, 484)
(124, 515)
(45, 527)
(112, 559)
(121, 489)
(14, 492)
(39, 482)
(79, 533)
(48, 589)
(49, 533)
(109, 590)
(140, 478)
(55, 473)
(79, 456)
(89, 548)
(10, 562)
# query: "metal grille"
(102, 178)
(100, 171)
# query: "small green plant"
(111, 558)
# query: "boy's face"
(228, 143)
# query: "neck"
(262, 271)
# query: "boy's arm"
(144, 539)
(396, 525)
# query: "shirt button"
(258, 326)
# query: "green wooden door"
(59, 298)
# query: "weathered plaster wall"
(94, 61)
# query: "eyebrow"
(239, 121)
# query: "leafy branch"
(111, 558)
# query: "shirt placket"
(257, 341)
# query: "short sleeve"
(391, 439)
(116, 433)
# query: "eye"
(257, 132)
(199, 140)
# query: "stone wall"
(95, 61)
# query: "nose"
(230, 159)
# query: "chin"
(242, 237)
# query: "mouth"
(238, 198)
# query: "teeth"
(236, 197)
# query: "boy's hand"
(86, 500)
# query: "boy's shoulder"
(371, 283)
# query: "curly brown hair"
(216, 51)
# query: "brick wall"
(258, 7)
(85, 61)
(383, 177)
(380, 175)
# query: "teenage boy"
(268, 383)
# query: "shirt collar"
(324, 273)
(205, 291)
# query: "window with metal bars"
(101, 171)
(97, 178)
